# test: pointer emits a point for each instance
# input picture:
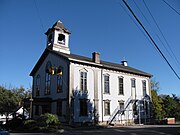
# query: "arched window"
(61, 39)
(48, 78)
(59, 80)
(38, 82)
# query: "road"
(134, 130)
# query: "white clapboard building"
(87, 90)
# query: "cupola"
(58, 38)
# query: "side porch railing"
(119, 110)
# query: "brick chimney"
(96, 57)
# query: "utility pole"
(30, 113)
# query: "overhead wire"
(154, 43)
(148, 23)
(174, 56)
(40, 20)
(171, 7)
(152, 28)
(134, 22)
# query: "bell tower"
(58, 38)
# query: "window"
(83, 107)
(48, 79)
(146, 106)
(59, 108)
(133, 83)
(37, 110)
(61, 38)
(50, 39)
(107, 107)
(83, 86)
(46, 109)
(135, 109)
(121, 105)
(144, 87)
(59, 81)
(121, 86)
(106, 84)
(48, 83)
(38, 80)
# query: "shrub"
(48, 120)
(30, 124)
(15, 124)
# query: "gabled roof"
(88, 61)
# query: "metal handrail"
(119, 110)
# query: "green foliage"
(21, 93)
(154, 85)
(30, 124)
(171, 106)
(46, 123)
(48, 120)
(11, 99)
(8, 101)
(164, 106)
(157, 107)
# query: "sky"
(104, 26)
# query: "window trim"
(120, 103)
(62, 41)
(61, 79)
(83, 81)
(108, 111)
(83, 113)
(108, 82)
(133, 83)
(119, 92)
(144, 86)
(47, 82)
(38, 84)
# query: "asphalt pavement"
(125, 130)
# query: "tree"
(8, 102)
(11, 99)
(157, 107)
(21, 94)
(171, 106)
(164, 106)
(177, 112)
(154, 85)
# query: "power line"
(151, 39)
(171, 7)
(40, 20)
(141, 12)
(175, 58)
(148, 23)
(134, 22)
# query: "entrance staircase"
(118, 110)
